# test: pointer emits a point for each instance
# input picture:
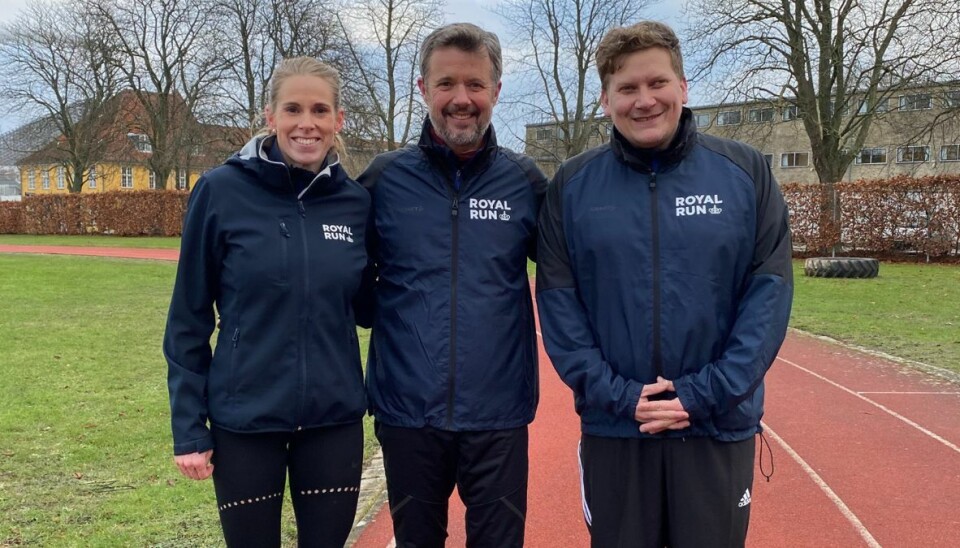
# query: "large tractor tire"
(841, 267)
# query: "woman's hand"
(195, 465)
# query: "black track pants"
(489, 469)
(680, 493)
(250, 473)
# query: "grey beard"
(460, 138)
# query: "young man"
(452, 371)
(664, 287)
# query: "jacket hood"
(255, 157)
(663, 160)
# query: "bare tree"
(259, 34)
(555, 45)
(169, 57)
(383, 39)
(55, 64)
(836, 62)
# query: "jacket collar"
(255, 156)
(657, 160)
(442, 155)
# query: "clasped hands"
(658, 415)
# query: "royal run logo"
(493, 210)
(342, 233)
(699, 204)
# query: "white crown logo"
(715, 210)
(504, 217)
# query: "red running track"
(120, 252)
(866, 453)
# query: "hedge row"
(884, 217)
(122, 213)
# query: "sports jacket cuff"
(632, 397)
(194, 446)
(689, 401)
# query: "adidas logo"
(745, 499)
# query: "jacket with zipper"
(453, 343)
(673, 263)
(280, 252)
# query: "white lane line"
(875, 404)
(915, 393)
(392, 543)
(844, 509)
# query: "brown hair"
(622, 41)
(465, 37)
(307, 66)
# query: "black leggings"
(250, 472)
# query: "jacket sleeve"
(538, 182)
(364, 301)
(567, 333)
(762, 315)
(190, 322)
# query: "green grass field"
(909, 310)
(85, 456)
(90, 241)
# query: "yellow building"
(123, 162)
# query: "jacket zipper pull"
(455, 207)
(653, 180)
(236, 336)
(303, 211)
(283, 229)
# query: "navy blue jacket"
(453, 343)
(674, 264)
(283, 267)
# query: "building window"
(768, 158)
(759, 115)
(182, 179)
(919, 101)
(729, 118)
(61, 177)
(794, 159)
(196, 150)
(952, 98)
(31, 180)
(153, 180)
(92, 177)
(832, 107)
(702, 120)
(880, 107)
(544, 134)
(913, 154)
(126, 177)
(791, 112)
(950, 153)
(141, 141)
(872, 156)
(45, 179)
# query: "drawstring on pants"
(763, 441)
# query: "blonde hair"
(306, 66)
(622, 41)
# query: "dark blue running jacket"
(453, 343)
(283, 269)
(674, 264)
